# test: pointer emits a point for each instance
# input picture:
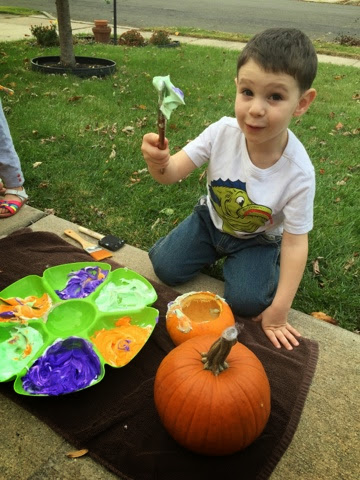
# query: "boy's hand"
(277, 329)
(155, 158)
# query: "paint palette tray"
(59, 331)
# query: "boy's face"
(264, 105)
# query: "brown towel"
(116, 419)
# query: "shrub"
(348, 40)
(132, 38)
(160, 37)
(46, 35)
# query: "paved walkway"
(326, 444)
(13, 27)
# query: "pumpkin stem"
(215, 358)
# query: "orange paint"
(25, 308)
(119, 345)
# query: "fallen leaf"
(316, 267)
(339, 126)
(49, 211)
(322, 171)
(142, 122)
(155, 223)
(325, 318)
(139, 172)
(50, 139)
(342, 182)
(113, 152)
(128, 130)
(75, 98)
(36, 164)
(77, 453)
(202, 175)
(349, 264)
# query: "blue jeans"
(251, 266)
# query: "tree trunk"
(67, 56)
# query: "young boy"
(260, 187)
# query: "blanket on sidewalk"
(116, 419)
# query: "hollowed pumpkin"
(197, 313)
(214, 403)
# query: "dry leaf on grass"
(49, 211)
(325, 318)
(342, 182)
(113, 152)
(75, 98)
(316, 267)
(77, 453)
(350, 263)
(129, 130)
(339, 126)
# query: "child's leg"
(10, 168)
(251, 275)
(180, 255)
(10, 172)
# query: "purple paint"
(66, 366)
(7, 315)
(178, 91)
(82, 283)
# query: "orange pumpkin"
(214, 403)
(197, 313)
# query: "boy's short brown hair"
(285, 50)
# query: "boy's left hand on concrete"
(277, 329)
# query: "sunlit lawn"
(79, 142)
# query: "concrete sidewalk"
(14, 27)
(326, 444)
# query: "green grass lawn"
(79, 143)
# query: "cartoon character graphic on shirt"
(235, 208)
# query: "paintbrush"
(97, 252)
(169, 98)
(108, 241)
(161, 121)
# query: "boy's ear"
(305, 101)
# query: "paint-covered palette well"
(119, 338)
(81, 324)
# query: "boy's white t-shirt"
(245, 200)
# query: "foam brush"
(169, 98)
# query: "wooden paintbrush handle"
(161, 129)
(91, 233)
(75, 236)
